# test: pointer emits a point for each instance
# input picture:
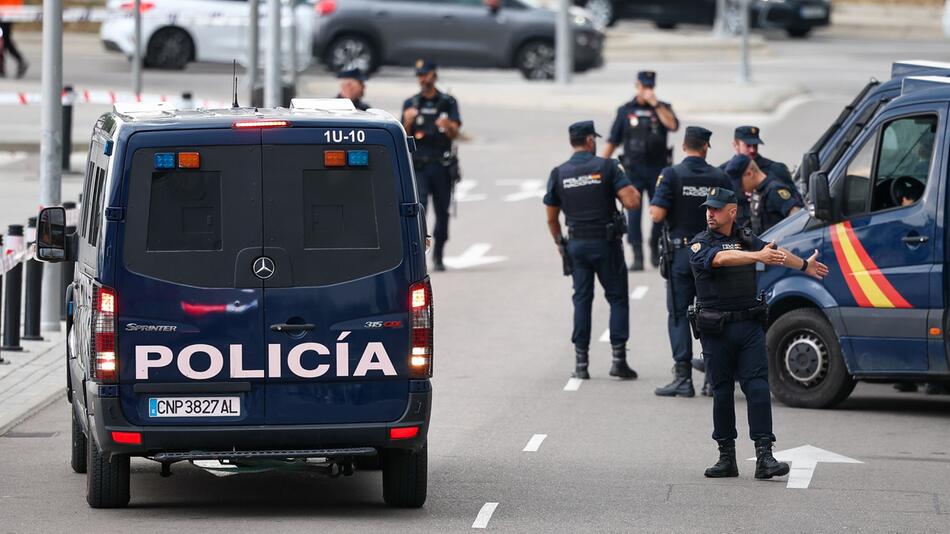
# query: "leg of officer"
(718, 352)
(634, 231)
(655, 229)
(583, 278)
(612, 273)
(441, 187)
(680, 292)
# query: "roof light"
(164, 160)
(357, 158)
(334, 158)
(406, 432)
(189, 160)
(127, 438)
(261, 124)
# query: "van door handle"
(284, 327)
(915, 239)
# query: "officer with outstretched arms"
(432, 118)
(770, 198)
(353, 86)
(586, 189)
(730, 319)
(680, 191)
(642, 127)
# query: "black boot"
(726, 466)
(437, 251)
(682, 384)
(620, 368)
(766, 466)
(580, 365)
(699, 364)
(637, 264)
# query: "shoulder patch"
(695, 247)
(785, 194)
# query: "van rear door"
(336, 307)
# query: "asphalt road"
(615, 457)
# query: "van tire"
(405, 477)
(107, 481)
(79, 445)
(808, 333)
(169, 49)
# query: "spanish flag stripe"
(846, 269)
(881, 281)
(858, 270)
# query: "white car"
(946, 19)
(176, 32)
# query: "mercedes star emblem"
(264, 267)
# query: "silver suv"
(518, 34)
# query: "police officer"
(641, 127)
(432, 118)
(586, 188)
(746, 142)
(680, 191)
(730, 318)
(771, 199)
(353, 86)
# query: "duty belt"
(589, 232)
(679, 242)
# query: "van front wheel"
(107, 480)
(405, 477)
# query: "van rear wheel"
(405, 477)
(806, 368)
(79, 445)
(107, 480)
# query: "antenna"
(234, 103)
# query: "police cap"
(719, 197)
(699, 133)
(749, 135)
(737, 166)
(355, 74)
(647, 78)
(424, 66)
(909, 188)
(582, 129)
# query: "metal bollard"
(187, 101)
(13, 287)
(69, 98)
(2, 361)
(69, 267)
(34, 289)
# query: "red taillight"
(105, 360)
(143, 7)
(420, 312)
(325, 7)
(405, 432)
(127, 438)
(261, 124)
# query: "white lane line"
(534, 443)
(639, 292)
(605, 337)
(484, 515)
(573, 384)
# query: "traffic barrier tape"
(12, 258)
(100, 14)
(101, 96)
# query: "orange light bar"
(404, 432)
(936, 332)
(189, 160)
(261, 124)
(334, 158)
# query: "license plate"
(194, 407)
(813, 12)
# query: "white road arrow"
(804, 460)
(463, 192)
(473, 256)
(528, 189)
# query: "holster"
(710, 321)
(567, 263)
(691, 313)
(451, 163)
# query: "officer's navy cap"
(749, 135)
(647, 78)
(356, 74)
(737, 166)
(424, 66)
(582, 129)
(698, 132)
(719, 197)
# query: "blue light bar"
(165, 160)
(357, 158)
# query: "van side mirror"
(819, 196)
(51, 235)
(809, 165)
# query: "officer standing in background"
(432, 118)
(746, 143)
(680, 191)
(586, 188)
(730, 320)
(641, 128)
(771, 200)
(353, 86)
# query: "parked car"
(518, 34)
(177, 32)
(797, 17)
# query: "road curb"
(33, 410)
(50, 393)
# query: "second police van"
(250, 285)
(878, 216)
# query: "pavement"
(31, 379)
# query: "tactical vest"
(688, 216)
(644, 137)
(730, 288)
(428, 137)
(586, 192)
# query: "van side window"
(903, 162)
(95, 212)
(857, 179)
(86, 200)
(184, 211)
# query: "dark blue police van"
(878, 216)
(249, 285)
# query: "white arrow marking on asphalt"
(528, 189)
(484, 515)
(573, 384)
(534, 443)
(605, 337)
(463, 192)
(473, 256)
(639, 292)
(804, 460)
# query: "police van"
(878, 216)
(250, 285)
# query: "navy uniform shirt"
(724, 288)
(585, 188)
(430, 142)
(681, 190)
(771, 202)
(638, 129)
(775, 168)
